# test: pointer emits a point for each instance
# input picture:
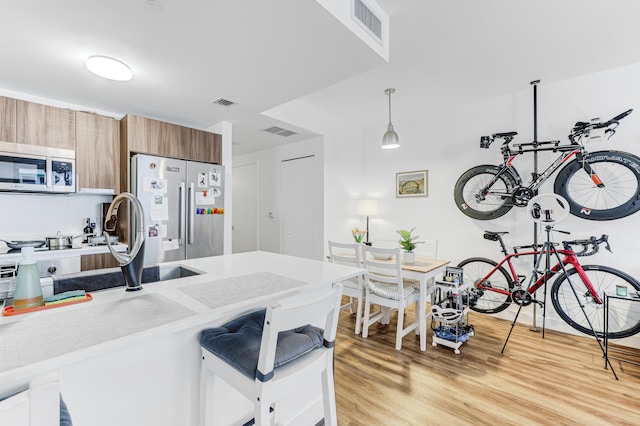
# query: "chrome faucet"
(131, 263)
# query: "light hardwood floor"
(558, 380)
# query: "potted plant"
(408, 243)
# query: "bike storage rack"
(542, 214)
(449, 310)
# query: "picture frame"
(412, 184)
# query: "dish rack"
(8, 280)
(449, 310)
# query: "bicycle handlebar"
(589, 247)
(579, 129)
(582, 127)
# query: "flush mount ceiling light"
(390, 139)
(109, 68)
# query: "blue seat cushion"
(238, 342)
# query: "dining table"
(424, 270)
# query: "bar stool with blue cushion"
(270, 354)
(350, 255)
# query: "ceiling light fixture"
(390, 139)
(109, 68)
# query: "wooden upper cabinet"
(147, 136)
(97, 151)
(7, 119)
(45, 125)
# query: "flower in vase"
(358, 234)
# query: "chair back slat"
(320, 306)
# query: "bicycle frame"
(567, 151)
(569, 258)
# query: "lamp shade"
(367, 207)
(390, 139)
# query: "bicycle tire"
(470, 184)
(483, 299)
(624, 320)
(620, 196)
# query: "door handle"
(181, 218)
(191, 218)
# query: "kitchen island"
(133, 358)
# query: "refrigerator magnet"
(202, 180)
(206, 198)
(154, 185)
(214, 177)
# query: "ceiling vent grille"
(280, 131)
(363, 15)
(223, 102)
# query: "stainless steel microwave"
(32, 168)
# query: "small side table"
(607, 302)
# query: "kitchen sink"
(167, 273)
(102, 279)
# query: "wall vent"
(223, 102)
(280, 131)
(367, 19)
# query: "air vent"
(223, 102)
(280, 131)
(363, 15)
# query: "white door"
(298, 209)
(245, 208)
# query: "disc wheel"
(471, 199)
(617, 197)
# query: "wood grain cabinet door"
(97, 151)
(45, 125)
(7, 119)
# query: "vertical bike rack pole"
(535, 171)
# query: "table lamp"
(367, 207)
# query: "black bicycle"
(602, 185)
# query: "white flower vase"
(409, 257)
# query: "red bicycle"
(577, 292)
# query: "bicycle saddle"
(493, 236)
(505, 135)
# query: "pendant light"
(390, 139)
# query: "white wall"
(268, 162)
(37, 216)
(446, 143)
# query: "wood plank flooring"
(558, 380)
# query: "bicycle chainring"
(521, 297)
(522, 196)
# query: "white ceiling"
(261, 54)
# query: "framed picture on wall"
(412, 184)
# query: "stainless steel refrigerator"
(183, 204)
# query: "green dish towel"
(65, 296)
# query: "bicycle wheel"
(620, 195)
(470, 200)
(482, 297)
(624, 320)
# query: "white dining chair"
(386, 288)
(271, 354)
(39, 405)
(350, 254)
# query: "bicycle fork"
(589, 171)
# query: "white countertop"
(77, 250)
(47, 340)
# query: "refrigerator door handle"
(181, 219)
(191, 212)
